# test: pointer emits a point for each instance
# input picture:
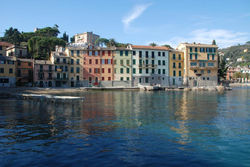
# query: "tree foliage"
(65, 37)
(222, 71)
(153, 44)
(214, 42)
(110, 43)
(12, 35)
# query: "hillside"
(235, 52)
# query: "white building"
(86, 37)
(150, 65)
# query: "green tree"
(222, 71)
(214, 42)
(65, 37)
(168, 46)
(48, 32)
(72, 39)
(12, 35)
(153, 44)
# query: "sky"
(138, 22)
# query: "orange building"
(24, 72)
(98, 66)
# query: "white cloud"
(135, 13)
(224, 38)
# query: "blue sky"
(136, 21)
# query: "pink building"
(43, 73)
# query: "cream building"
(86, 37)
(200, 64)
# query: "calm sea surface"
(129, 129)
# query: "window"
(159, 71)
(90, 53)
(72, 52)
(179, 56)
(208, 71)
(77, 69)
(174, 66)
(180, 73)
(128, 62)
(140, 62)
(90, 80)
(190, 56)
(140, 54)
(10, 70)
(96, 70)
(153, 63)
(179, 65)
(103, 61)
(202, 50)
(109, 78)
(121, 78)
(121, 62)
(174, 73)
(163, 62)
(64, 60)
(121, 53)
(208, 56)
(196, 56)
(193, 64)
(195, 71)
(212, 57)
(78, 61)
(134, 71)
(140, 80)
(1, 48)
(147, 62)
(159, 53)
(66, 68)
(191, 49)
(103, 52)
(195, 49)
(126, 53)
(134, 61)
(140, 71)
(72, 61)
(207, 78)
(163, 54)
(134, 52)
(1, 70)
(90, 70)
(90, 61)
(127, 70)
(103, 78)
(153, 54)
(121, 70)
(153, 71)
(159, 62)
(146, 70)
(109, 70)
(109, 53)
(163, 71)
(146, 54)
(18, 73)
(202, 64)
(210, 64)
(127, 78)
(72, 69)
(173, 56)
(96, 53)
(78, 52)
(96, 61)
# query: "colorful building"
(43, 73)
(75, 66)
(176, 67)
(17, 51)
(98, 69)
(123, 67)
(200, 64)
(7, 71)
(3, 48)
(150, 65)
(24, 72)
(86, 37)
(61, 61)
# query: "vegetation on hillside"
(110, 43)
(235, 52)
(39, 43)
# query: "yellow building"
(176, 67)
(200, 64)
(7, 71)
(75, 66)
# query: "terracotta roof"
(150, 47)
(5, 44)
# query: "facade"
(200, 64)
(176, 67)
(24, 72)
(98, 69)
(75, 66)
(17, 51)
(123, 67)
(3, 47)
(61, 63)
(150, 65)
(86, 37)
(43, 73)
(7, 71)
